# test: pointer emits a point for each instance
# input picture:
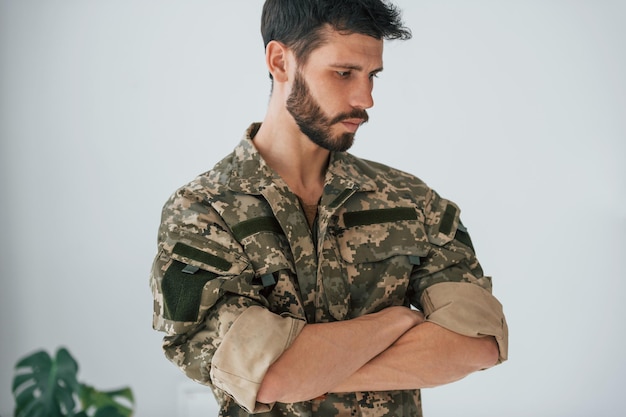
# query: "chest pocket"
(265, 245)
(268, 250)
(379, 249)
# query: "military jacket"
(239, 272)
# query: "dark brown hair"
(301, 24)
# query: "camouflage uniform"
(239, 272)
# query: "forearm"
(327, 353)
(425, 356)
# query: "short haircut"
(301, 24)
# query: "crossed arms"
(390, 350)
(266, 358)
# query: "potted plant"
(48, 387)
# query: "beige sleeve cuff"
(467, 309)
(255, 340)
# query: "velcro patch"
(377, 216)
(192, 253)
(256, 225)
(448, 219)
(182, 291)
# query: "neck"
(299, 162)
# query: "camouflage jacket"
(239, 272)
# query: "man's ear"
(277, 57)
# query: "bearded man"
(296, 279)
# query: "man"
(286, 274)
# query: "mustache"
(354, 114)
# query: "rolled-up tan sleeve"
(467, 309)
(255, 340)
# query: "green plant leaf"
(113, 403)
(110, 411)
(45, 387)
(20, 379)
(32, 409)
(24, 397)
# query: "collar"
(251, 175)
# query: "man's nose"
(362, 95)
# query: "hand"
(412, 317)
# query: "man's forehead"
(351, 50)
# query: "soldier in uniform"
(296, 279)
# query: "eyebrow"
(355, 68)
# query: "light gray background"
(513, 109)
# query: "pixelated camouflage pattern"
(343, 270)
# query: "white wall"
(514, 109)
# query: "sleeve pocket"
(184, 284)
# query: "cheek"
(331, 99)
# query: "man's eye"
(343, 74)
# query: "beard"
(314, 123)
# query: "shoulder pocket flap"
(185, 284)
(220, 262)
